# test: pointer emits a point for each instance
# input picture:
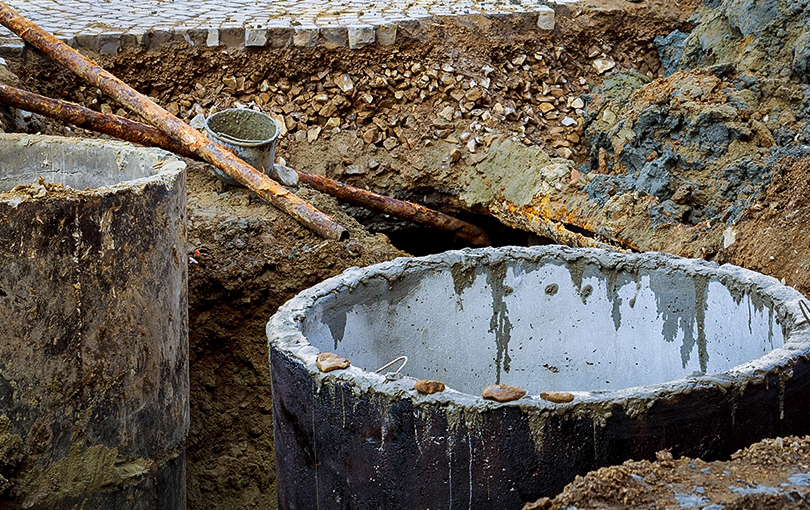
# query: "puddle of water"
(800, 479)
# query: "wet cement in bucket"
(657, 352)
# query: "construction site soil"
(646, 125)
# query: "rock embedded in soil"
(329, 361)
(503, 393)
(603, 65)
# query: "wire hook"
(403, 359)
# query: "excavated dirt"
(40, 189)
(774, 234)
(246, 259)
(769, 475)
(700, 153)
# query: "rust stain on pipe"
(197, 143)
(528, 218)
(72, 113)
(398, 208)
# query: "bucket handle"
(403, 359)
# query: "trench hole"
(231, 419)
(419, 240)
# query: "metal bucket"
(251, 135)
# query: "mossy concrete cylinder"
(94, 389)
(622, 355)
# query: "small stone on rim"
(328, 361)
(503, 393)
(558, 397)
(429, 387)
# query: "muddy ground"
(248, 260)
(647, 125)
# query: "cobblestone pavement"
(69, 19)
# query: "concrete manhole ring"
(94, 374)
(657, 352)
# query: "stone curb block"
(387, 34)
(110, 44)
(255, 37)
(334, 37)
(212, 38)
(232, 37)
(361, 36)
(280, 37)
(545, 18)
(197, 37)
(283, 34)
(306, 37)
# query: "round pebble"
(503, 393)
(429, 387)
(328, 361)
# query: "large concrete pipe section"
(644, 351)
(94, 387)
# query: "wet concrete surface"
(94, 365)
(684, 372)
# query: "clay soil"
(247, 258)
(775, 236)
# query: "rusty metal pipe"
(525, 219)
(398, 208)
(72, 113)
(136, 132)
(197, 143)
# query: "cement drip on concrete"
(618, 302)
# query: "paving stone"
(197, 37)
(213, 37)
(360, 36)
(159, 38)
(11, 49)
(305, 37)
(131, 42)
(545, 18)
(280, 36)
(88, 42)
(240, 23)
(386, 34)
(255, 37)
(232, 37)
(334, 37)
(109, 44)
